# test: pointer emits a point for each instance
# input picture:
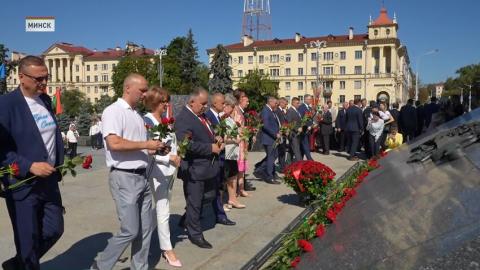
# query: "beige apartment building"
(372, 65)
(76, 67)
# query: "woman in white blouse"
(162, 172)
(375, 129)
(72, 139)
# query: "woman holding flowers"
(242, 104)
(162, 172)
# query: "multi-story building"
(439, 90)
(76, 67)
(373, 65)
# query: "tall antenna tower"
(257, 21)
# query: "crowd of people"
(143, 166)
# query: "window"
(240, 59)
(77, 68)
(95, 67)
(327, 70)
(313, 71)
(113, 66)
(342, 84)
(104, 66)
(250, 71)
(300, 57)
(96, 78)
(300, 71)
(313, 56)
(14, 81)
(240, 73)
(288, 85)
(105, 89)
(377, 70)
(358, 70)
(50, 89)
(88, 89)
(288, 72)
(105, 78)
(77, 79)
(88, 67)
(358, 84)
(96, 90)
(375, 32)
(388, 32)
(288, 98)
(358, 54)
(328, 85)
(250, 59)
(300, 85)
(343, 55)
(288, 57)
(342, 98)
(376, 54)
(88, 78)
(261, 59)
(96, 100)
(274, 72)
(274, 58)
(301, 98)
(262, 72)
(313, 85)
(357, 97)
(89, 99)
(327, 56)
(342, 70)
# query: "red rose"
(14, 169)
(87, 162)
(320, 231)
(165, 121)
(171, 120)
(295, 262)
(148, 126)
(331, 215)
(338, 207)
(305, 245)
(383, 154)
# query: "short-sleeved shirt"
(122, 120)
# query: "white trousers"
(159, 187)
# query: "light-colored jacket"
(375, 128)
(232, 150)
(163, 167)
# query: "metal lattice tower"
(257, 21)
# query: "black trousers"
(342, 140)
(266, 166)
(194, 192)
(374, 145)
(353, 140)
(282, 155)
(325, 142)
(73, 149)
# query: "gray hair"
(230, 100)
(214, 95)
(196, 93)
(270, 98)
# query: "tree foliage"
(73, 100)
(102, 103)
(143, 65)
(84, 121)
(221, 72)
(189, 64)
(468, 78)
(258, 87)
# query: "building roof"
(70, 48)
(98, 55)
(289, 43)
(383, 18)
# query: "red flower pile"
(87, 162)
(308, 176)
(305, 245)
(320, 230)
(295, 262)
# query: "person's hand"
(175, 160)
(279, 135)
(154, 145)
(219, 139)
(309, 128)
(41, 169)
(216, 148)
(238, 141)
(299, 130)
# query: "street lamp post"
(160, 53)
(418, 70)
(318, 44)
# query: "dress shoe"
(236, 205)
(200, 242)
(226, 208)
(250, 187)
(176, 263)
(259, 175)
(326, 152)
(273, 182)
(11, 264)
(226, 221)
(353, 158)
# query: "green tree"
(172, 70)
(102, 103)
(203, 75)
(72, 101)
(84, 121)
(221, 72)
(189, 64)
(143, 65)
(63, 121)
(258, 87)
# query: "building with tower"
(373, 65)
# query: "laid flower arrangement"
(330, 203)
(68, 166)
(310, 179)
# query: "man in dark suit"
(281, 113)
(365, 137)
(293, 117)
(30, 137)
(420, 118)
(354, 128)
(408, 121)
(265, 169)
(325, 124)
(340, 125)
(304, 137)
(213, 115)
(395, 113)
(431, 109)
(198, 169)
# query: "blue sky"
(450, 26)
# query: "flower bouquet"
(253, 124)
(310, 179)
(183, 145)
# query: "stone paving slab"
(91, 220)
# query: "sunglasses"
(38, 79)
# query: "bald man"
(127, 150)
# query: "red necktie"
(204, 122)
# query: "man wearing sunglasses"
(30, 137)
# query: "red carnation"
(338, 207)
(87, 162)
(295, 262)
(305, 245)
(14, 169)
(320, 231)
(331, 215)
(165, 121)
(171, 120)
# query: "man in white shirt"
(126, 148)
(93, 133)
